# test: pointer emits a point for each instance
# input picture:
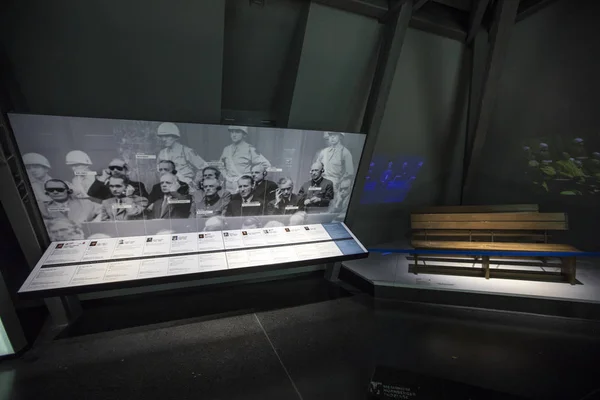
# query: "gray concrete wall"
(335, 71)
(119, 59)
(426, 117)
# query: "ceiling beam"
(418, 4)
(369, 8)
(475, 18)
(504, 18)
(530, 7)
(393, 10)
(441, 20)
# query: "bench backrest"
(490, 221)
(477, 209)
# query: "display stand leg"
(63, 310)
(332, 271)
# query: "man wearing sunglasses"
(64, 205)
(122, 205)
(117, 168)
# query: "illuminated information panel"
(100, 264)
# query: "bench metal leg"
(416, 267)
(485, 260)
(568, 269)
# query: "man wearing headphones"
(318, 192)
(171, 204)
(166, 167)
(244, 203)
(117, 168)
(264, 189)
(207, 202)
(64, 205)
(213, 173)
(285, 202)
(123, 205)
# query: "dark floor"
(320, 344)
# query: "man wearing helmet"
(187, 162)
(37, 167)
(336, 159)
(239, 157)
(84, 177)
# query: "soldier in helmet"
(578, 149)
(84, 177)
(239, 157)
(546, 168)
(37, 167)
(187, 162)
(336, 159)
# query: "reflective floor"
(311, 341)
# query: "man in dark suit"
(117, 168)
(123, 205)
(285, 202)
(166, 167)
(244, 203)
(207, 202)
(172, 204)
(317, 193)
(264, 189)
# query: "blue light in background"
(389, 180)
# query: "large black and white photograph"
(99, 178)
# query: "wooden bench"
(485, 232)
(477, 209)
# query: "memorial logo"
(93, 244)
(120, 241)
(287, 229)
(148, 240)
(307, 228)
(376, 388)
(226, 234)
(59, 246)
(201, 236)
(244, 233)
(174, 238)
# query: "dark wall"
(548, 94)
(117, 59)
(425, 119)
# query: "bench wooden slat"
(506, 225)
(477, 209)
(456, 245)
(482, 217)
(482, 233)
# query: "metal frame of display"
(71, 290)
